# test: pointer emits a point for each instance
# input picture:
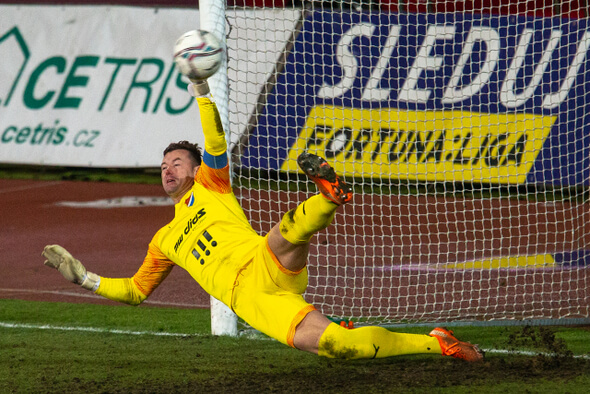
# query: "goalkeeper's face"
(178, 173)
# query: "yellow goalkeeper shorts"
(269, 297)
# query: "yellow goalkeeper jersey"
(210, 236)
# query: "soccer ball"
(198, 54)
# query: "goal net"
(464, 129)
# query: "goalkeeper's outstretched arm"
(215, 155)
(116, 289)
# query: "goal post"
(461, 125)
(212, 19)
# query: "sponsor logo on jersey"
(190, 200)
(190, 225)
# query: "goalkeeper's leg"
(289, 240)
(317, 334)
(373, 342)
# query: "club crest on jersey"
(190, 200)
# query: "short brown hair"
(193, 149)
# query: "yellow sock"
(300, 224)
(373, 342)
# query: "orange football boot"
(323, 175)
(453, 347)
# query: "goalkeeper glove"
(198, 88)
(72, 269)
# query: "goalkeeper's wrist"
(199, 89)
(91, 281)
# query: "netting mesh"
(463, 128)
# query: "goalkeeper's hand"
(198, 88)
(72, 269)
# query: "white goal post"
(463, 127)
(212, 19)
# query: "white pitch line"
(250, 334)
(95, 329)
(531, 353)
(177, 334)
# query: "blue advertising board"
(433, 97)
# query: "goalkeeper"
(261, 278)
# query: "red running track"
(398, 276)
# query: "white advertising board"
(92, 86)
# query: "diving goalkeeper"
(261, 278)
